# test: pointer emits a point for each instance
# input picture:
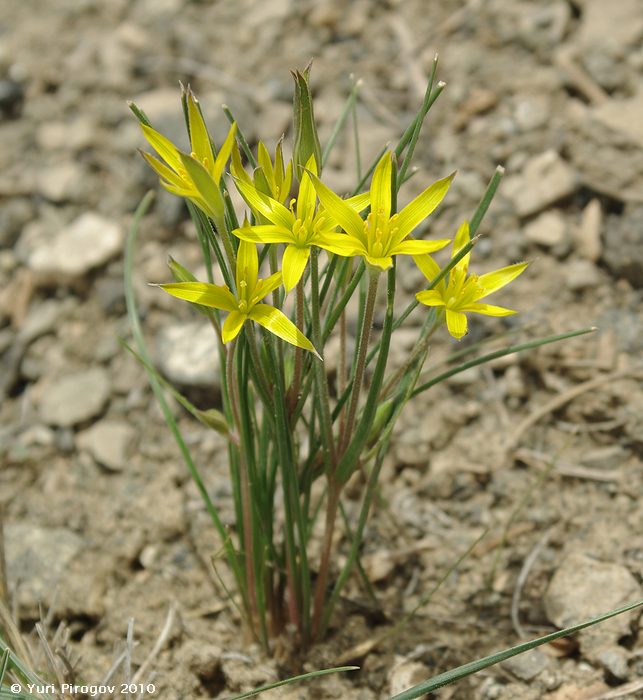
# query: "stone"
(40, 320)
(548, 230)
(76, 134)
(623, 246)
(528, 665)
(587, 236)
(606, 147)
(88, 242)
(75, 398)
(581, 274)
(582, 588)
(37, 561)
(188, 356)
(545, 180)
(108, 442)
(406, 673)
(61, 182)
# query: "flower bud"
(306, 139)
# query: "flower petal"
(278, 323)
(265, 287)
(267, 233)
(224, 154)
(429, 268)
(430, 297)
(462, 237)
(345, 216)
(293, 265)
(456, 323)
(266, 206)
(381, 187)
(414, 247)
(247, 266)
(214, 295)
(163, 171)
(205, 185)
(418, 209)
(236, 167)
(489, 310)
(359, 202)
(233, 324)
(492, 281)
(199, 139)
(307, 197)
(340, 244)
(383, 262)
(163, 146)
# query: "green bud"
(306, 139)
(213, 419)
(382, 415)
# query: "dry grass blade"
(158, 646)
(560, 400)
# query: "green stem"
(247, 538)
(321, 380)
(362, 348)
(332, 502)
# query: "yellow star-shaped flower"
(462, 293)
(300, 227)
(195, 176)
(382, 235)
(246, 305)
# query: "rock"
(587, 236)
(188, 355)
(545, 180)
(61, 182)
(75, 398)
(88, 242)
(74, 135)
(623, 245)
(581, 274)
(108, 442)
(618, 23)
(528, 665)
(37, 561)
(548, 230)
(14, 214)
(40, 320)
(582, 588)
(405, 674)
(607, 147)
(623, 116)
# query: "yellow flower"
(463, 292)
(383, 234)
(300, 227)
(196, 176)
(246, 305)
(272, 180)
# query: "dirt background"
(102, 523)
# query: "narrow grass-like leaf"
(348, 106)
(460, 672)
(132, 312)
(500, 353)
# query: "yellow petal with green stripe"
(280, 325)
